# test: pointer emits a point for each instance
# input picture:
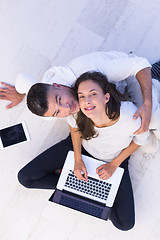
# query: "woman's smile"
(89, 108)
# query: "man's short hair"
(37, 98)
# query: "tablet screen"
(12, 135)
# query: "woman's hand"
(80, 170)
(105, 171)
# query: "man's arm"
(119, 66)
(9, 93)
(145, 80)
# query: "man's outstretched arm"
(15, 94)
(8, 92)
(144, 111)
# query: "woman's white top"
(113, 139)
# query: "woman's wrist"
(116, 162)
(78, 157)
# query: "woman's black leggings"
(41, 173)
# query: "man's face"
(62, 102)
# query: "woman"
(104, 127)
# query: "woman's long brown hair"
(112, 109)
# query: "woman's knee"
(125, 226)
(23, 178)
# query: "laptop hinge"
(84, 198)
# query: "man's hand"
(144, 112)
(9, 93)
(105, 171)
(80, 170)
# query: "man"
(54, 97)
(60, 99)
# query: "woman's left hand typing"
(105, 171)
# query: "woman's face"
(92, 100)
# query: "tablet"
(14, 134)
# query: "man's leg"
(39, 173)
(122, 213)
(155, 70)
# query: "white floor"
(33, 36)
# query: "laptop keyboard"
(93, 187)
(81, 206)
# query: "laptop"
(95, 197)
